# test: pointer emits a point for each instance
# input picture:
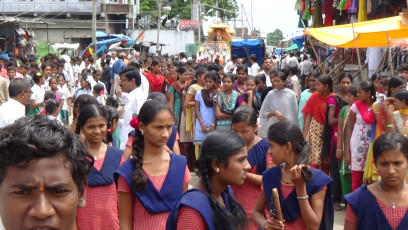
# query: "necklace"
(392, 203)
(284, 181)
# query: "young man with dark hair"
(129, 82)
(43, 175)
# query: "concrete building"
(70, 20)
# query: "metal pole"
(158, 27)
(94, 29)
(48, 42)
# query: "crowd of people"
(110, 144)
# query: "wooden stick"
(276, 202)
(340, 64)
(310, 41)
(328, 58)
(389, 54)
(363, 76)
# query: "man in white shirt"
(292, 61)
(130, 81)
(267, 67)
(230, 66)
(144, 85)
(254, 65)
(373, 59)
(20, 93)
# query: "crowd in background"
(148, 121)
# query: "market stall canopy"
(292, 47)
(373, 33)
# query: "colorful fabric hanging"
(306, 13)
(342, 5)
(362, 11)
(354, 7)
(317, 14)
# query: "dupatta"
(367, 114)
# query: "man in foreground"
(43, 175)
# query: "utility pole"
(199, 23)
(158, 26)
(94, 29)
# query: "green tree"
(230, 8)
(182, 8)
(272, 39)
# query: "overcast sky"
(269, 15)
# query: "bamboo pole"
(363, 77)
(310, 42)
(389, 54)
(327, 59)
(341, 63)
(381, 66)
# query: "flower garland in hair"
(135, 121)
(102, 92)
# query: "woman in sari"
(335, 103)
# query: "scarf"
(290, 206)
(177, 87)
(207, 98)
(327, 135)
(155, 201)
(316, 106)
(367, 115)
(110, 165)
(227, 106)
(199, 201)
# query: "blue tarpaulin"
(100, 34)
(102, 45)
(246, 47)
(299, 40)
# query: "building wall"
(175, 40)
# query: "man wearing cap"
(116, 68)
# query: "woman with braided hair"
(150, 182)
(222, 162)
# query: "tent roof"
(247, 42)
(368, 34)
(292, 47)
